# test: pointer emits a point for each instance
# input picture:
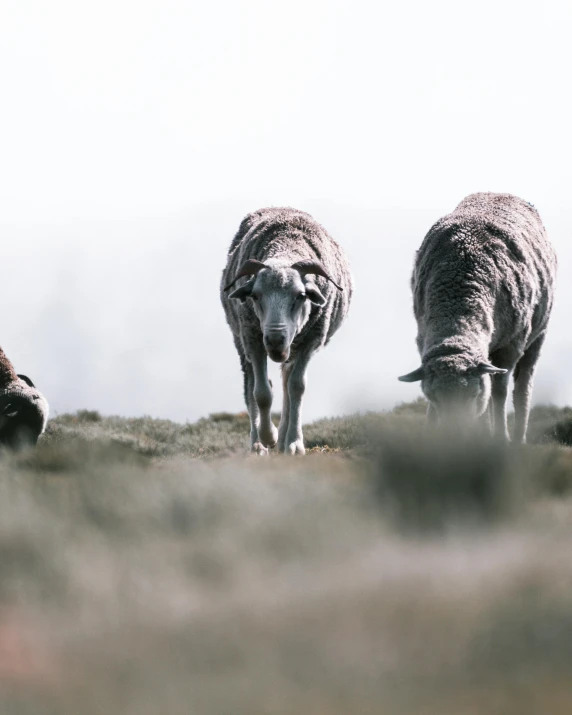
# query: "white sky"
(134, 136)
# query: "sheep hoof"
(296, 447)
(269, 438)
(259, 449)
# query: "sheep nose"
(275, 343)
(275, 340)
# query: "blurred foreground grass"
(383, 573)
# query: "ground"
(149, 567)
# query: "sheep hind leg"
(486, 419)
(523, 380)
(251, 406)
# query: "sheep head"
(23, 414)
(282, 297)
(456, 386)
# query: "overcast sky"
(134, 136)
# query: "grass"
(150, 567)
(226, 434)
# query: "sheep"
(483, 286)
(296, 296)
(23, 410)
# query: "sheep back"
(488, 264)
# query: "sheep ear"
(486, 368)
(314, 295)
(414, 376)
(26, 380)
(243, 292)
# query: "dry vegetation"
(149, 567)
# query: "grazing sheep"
(296, 296)
(483, 285)
(23, 410)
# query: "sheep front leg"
(251, 405)
(296, 387)
(499, 394)
(285, 417)
(267, 432)
(431, 416)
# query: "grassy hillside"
(148, 567)
(226, 434)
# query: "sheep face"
(457, 397)
(23, 418)
(457, 390)
(281, 299)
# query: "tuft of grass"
(560, 431)
(79, 417)
(432, 482)
(551, 466)
(241, 418)
(77, 453)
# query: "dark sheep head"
(23, 414)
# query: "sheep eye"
(254, 297)
(301, 296)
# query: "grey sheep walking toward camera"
(294, 292)
(483, 287)
(23, 410)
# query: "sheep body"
(483, 288)
(280, 239)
